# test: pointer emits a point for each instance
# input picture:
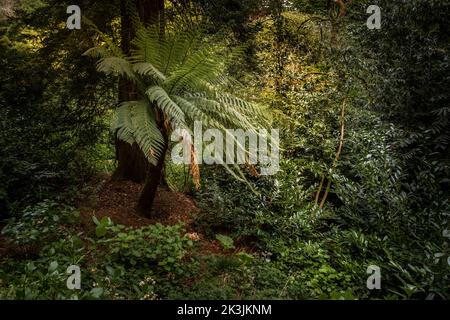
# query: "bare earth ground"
(8, 249)
(117, 200)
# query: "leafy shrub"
(156, 245)
(225, 210)
(40, 223)
(123, 263)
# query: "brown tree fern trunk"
(154, 173)
(132, 163)
(152, 181)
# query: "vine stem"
(336, 158)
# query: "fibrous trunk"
(132, 163)
(152, 181)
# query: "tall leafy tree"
(50, 114)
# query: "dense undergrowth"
(387, 199)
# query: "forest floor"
(9, 249)
(118, 199)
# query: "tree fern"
(161, 98)
(181, 78)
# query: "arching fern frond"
(198, 69)
(191, 111)
(146, 47)
(159, 96)
(146, 132)
(134, 123)
(116, 65)
(122, 125)
(147, 69)
(98, 52)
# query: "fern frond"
(116, 65)
(188, 43)
(198, 68)
(98, 52)
(147, 47)
(122, 125)
(146, 132)
(159, 96)
(191, 111)
(226, 114)
(178, 47)
(243, 106)
(147, 69)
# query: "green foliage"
(387, 204)
(372, 215)
(180, 77)
(225, 241)
(102, 226)
(123, 264)
(51, 120)
(224, 209)
(155, 245)
(43, 277)
(40, 223)
(411, 89)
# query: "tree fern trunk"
(132, 164)
(153, 180)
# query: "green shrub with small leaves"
(40, 223)
(154, 246)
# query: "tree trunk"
(152, 181)
(132, 163)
